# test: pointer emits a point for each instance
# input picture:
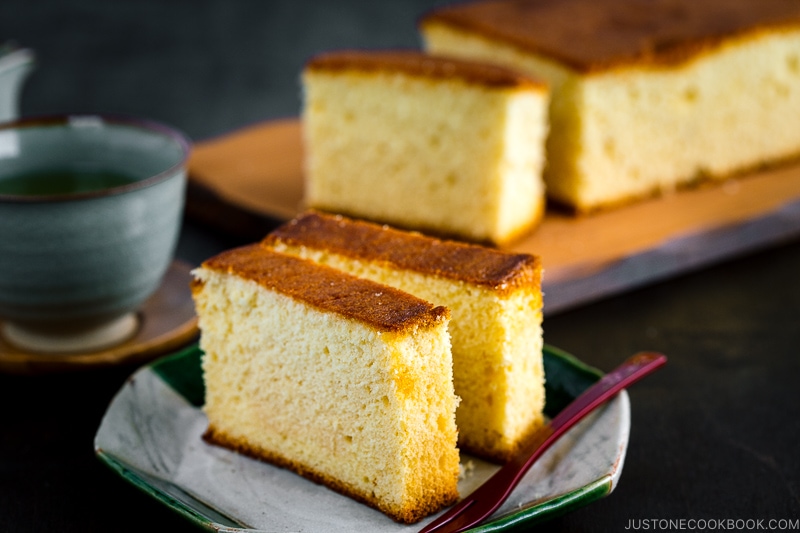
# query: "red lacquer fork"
(493, 492)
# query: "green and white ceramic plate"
(151, 436)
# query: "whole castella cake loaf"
(444, 145)
(345, 381)
(647, 95)
(496, 303)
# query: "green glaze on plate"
(151, 432)
(183, 373)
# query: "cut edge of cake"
(467, 164)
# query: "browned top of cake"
(471, 263)
(325, 288)
(590, 35)
(416, 63)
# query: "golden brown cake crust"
(475, 264)
(382, 307)
(419, 64)
(593, 35)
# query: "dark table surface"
(714, 435)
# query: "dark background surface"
(714, 434)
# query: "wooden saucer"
(166, 321)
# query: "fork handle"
(493, 492)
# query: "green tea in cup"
(62, 181)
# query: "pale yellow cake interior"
(442, 155)
(497, 350)
(371, 413)
(628, 132)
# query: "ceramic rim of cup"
(114, 120)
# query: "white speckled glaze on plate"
(151, 435)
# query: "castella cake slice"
(442, 145)
(343, 380)
(647, 96)
(496, 304)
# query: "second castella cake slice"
(496, 303)
(345, 381)
(442, 145)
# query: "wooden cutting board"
(248, 180)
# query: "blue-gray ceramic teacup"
(90, 212)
